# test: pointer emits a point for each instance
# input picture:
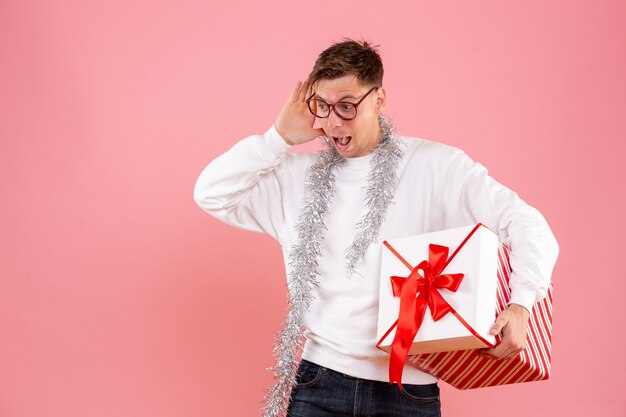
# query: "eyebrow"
(342, 98)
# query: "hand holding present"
(513, 322)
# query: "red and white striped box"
(464, 369)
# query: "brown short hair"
(360, 58)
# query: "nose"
(333, 119)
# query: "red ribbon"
(413, 306)
(412, 313)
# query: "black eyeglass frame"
(332, 106)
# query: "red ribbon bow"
(413, 306)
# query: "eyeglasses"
(344, 109)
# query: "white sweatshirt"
(258, 186)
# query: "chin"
(349, 154)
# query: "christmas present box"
(464, 293)
(464, 369)
(432, 302)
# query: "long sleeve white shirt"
(257, 185)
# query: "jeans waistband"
(326, 369)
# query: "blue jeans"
(322, 392)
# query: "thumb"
(319, 132)
(498, 325)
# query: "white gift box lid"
(474, 300)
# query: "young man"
(331, 211)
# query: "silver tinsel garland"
(380, 190)
(307, 251)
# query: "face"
(359, 136)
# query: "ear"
(381, 99)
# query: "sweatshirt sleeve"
(472, 196)
(242, 187)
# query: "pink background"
(120, 297)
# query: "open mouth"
(342, 142)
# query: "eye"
(321, 105)
(346, 106)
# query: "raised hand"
(295, 122)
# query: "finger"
(498, 325)
(515, 348)
(509, 350)
(303, 91)
(498, 352)
(293, 96)
(498, 356)
(486, 353)
(510, 355)
(309, 89)
(491, 353)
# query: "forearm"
(240, 186)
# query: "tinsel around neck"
(306, 253)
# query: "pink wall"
(120, 297)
